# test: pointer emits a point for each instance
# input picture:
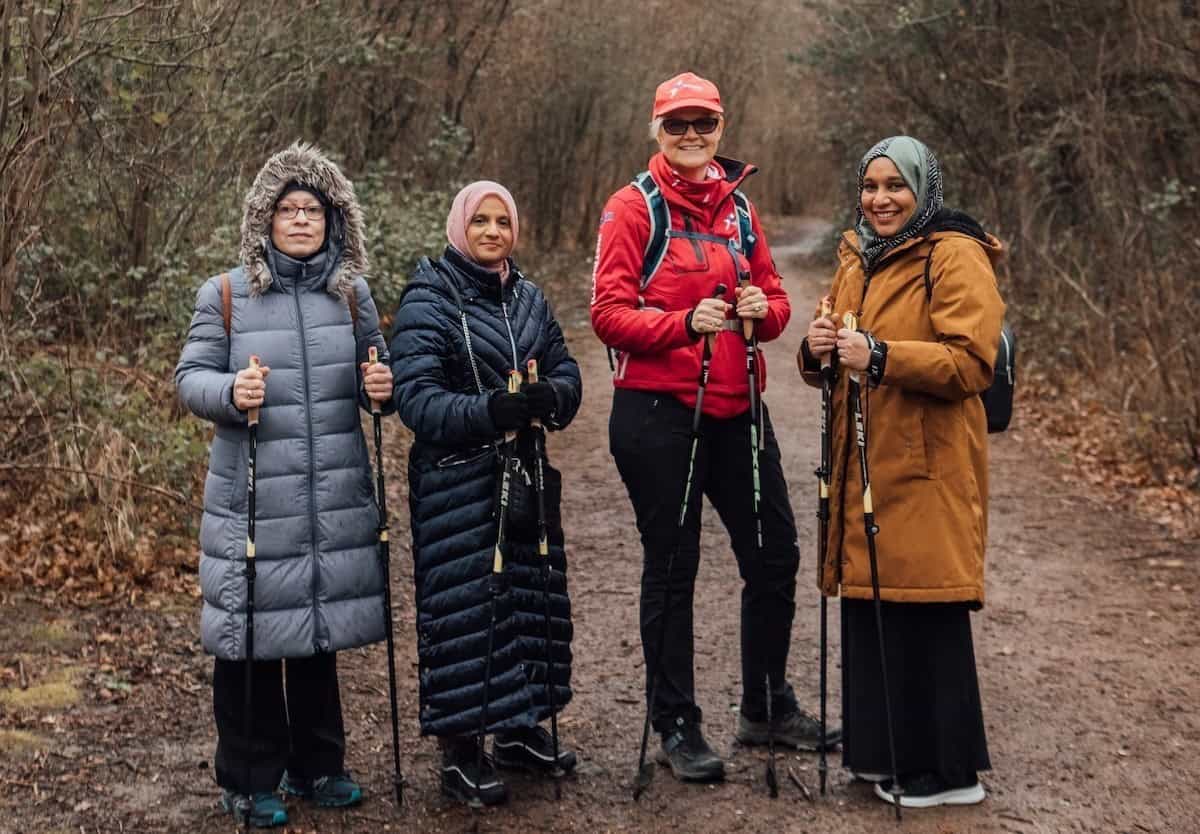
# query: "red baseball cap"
(686, 90)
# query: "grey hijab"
(921, 172)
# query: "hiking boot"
(337, 791)
(267, 810)
(928, 790)
(461, 777)
(688, 754)
(797, 729)
(531, 749)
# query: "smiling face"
(490, 234)
(690, 153)
(887, 201)
(303, 234)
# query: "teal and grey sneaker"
(337, 791)
(266, 811)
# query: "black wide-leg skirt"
(934, 688)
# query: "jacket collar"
(475, 281)
(311, 273)
(675, 189)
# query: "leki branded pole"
(860, 432)
(248, 690)
(496, 584)
(539, 451)
(823, 475)
(645, 771)
(385, 565)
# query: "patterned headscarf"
(921, 172)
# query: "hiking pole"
(495, 588)
(539, 450)
(645, 770)
(248, 691)
(823, 475)
(750, 338)
(385, 563)
(860, 432)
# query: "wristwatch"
(877, 360)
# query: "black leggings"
(650, 438)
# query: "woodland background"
(130, 131)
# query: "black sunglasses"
(703, 125)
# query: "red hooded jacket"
(654, 350)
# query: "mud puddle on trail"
(1087, 656)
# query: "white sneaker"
(928, 791)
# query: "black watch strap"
(877, 361)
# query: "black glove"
(508, 411)
(543, 402)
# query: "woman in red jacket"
(681, 263)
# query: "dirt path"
(1087, 652)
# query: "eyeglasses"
(290, 212)
(703, 125)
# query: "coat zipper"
(511, 341)
(690, 228)
(312, 471)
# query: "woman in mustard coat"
(919, 279)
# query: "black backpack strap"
(928, 280)
(746, 236)
(660, 225)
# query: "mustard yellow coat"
(926, 429)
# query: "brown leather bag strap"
(226, 302)
(352, 303)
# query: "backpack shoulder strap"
(746, 235)
(660, 224)
(226, 303)
(928, 280)
(352, 303)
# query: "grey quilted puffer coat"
(319, 585)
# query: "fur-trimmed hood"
(306, 164)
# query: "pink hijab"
(465, 204)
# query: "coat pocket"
(916, 436)
(238, 504)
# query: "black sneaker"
(461, 777)
(797, 729)
(531, 749)
(928, 790)
(688, 754)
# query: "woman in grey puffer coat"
(299, 303)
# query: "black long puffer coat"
(452, 476)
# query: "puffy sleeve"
(366, 335)
(616, 280)
(420, 353)
(203, 377)
(966, 312)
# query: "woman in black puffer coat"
(464, 323)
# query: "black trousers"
(297, 725)
(650, 437)
(935, 691)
